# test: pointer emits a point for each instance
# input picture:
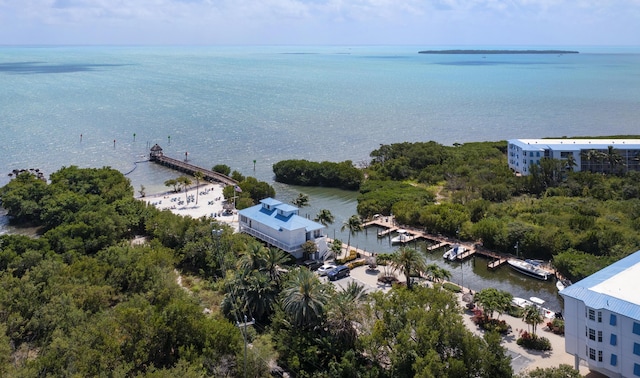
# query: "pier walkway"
(389, 225)
(157, 156)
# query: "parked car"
(324, 269)
(338, 272)
(312, 264)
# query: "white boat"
(402, 237)
(548, 314)
(529, 269)
(453, 253)
(521, 302)
(561, 284)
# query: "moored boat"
(529, 269)
(453, 253)
(402, 237)
(562, 283)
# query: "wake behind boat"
(528, 268)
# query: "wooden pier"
(157, 156)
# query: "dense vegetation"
(303, 172)
(582, 220)
(114, 287)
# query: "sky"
(321, 22)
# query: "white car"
(324, 269)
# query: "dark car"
(312, 264)
(338, 272)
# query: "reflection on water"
(472, 273)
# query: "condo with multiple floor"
(593, 155)
(602, 319)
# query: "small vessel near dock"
(529, 268)
(402, 237)
(562, 283)
(452, 254)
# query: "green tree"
(301, 201)
(325, 217)
(185, 182)
(198, 176)
(409, 261)
(172, 183)
(304, 299)
(436, 273)
(354, 225)
(561, 371)
(531, 315)
(222, 168)
(493, 300)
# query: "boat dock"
(389, 225)
(157, 156)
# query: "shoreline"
(210, 203)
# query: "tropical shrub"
(532, 341)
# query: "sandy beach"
(204, 201)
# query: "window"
(592, 354)
(592, 314)
(614, 360)
(599, 356)
(614, 339)
(592, 334)
(599, 336)
(613, 319)
(599, 316)
(636, 349)
(636, 328)
(636, 370)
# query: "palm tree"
(304, 298)
(354, 225)
(613, 158)
(325, 217)
(301, 201)
(408, 260)
(185, 182)
(253, 257)
(198, 176)
(531, 315)
(274, 259)
(344, 311)
(437, 273)
(571, 162)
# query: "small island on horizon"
(494, 52)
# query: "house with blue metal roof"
(279, 224)
(587, 154)
(602, 319)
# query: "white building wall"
(578, 341)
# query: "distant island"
(494, 52)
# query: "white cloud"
(318, 21)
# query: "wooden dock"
(157, 156)
(497, 262)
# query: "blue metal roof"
(583, 290)
(272, 218)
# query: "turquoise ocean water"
(62, 106)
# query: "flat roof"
(583, 144)
(612, 288)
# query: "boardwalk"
(389, 224)
(158, 157)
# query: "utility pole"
(244, 325)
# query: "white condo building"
(522, 153)
(602, 319)
(279, 225)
